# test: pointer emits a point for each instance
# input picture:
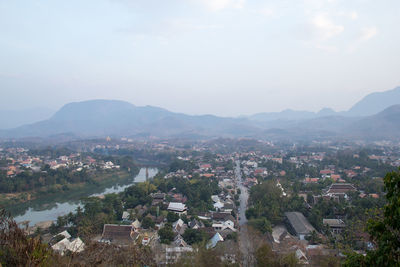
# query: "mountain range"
(14, 118)
(376, 116)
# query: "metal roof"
(299, 223)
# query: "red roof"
(205, 166)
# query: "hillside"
(375, 102)
(99, 118)
(110, 117)
(384, 125)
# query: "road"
(244, 196)
(245, 244)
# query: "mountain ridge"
(94, 118)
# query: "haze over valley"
(204, 133)
(377, 112)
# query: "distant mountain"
(14, 118)
(326, 112)
(375, 102)
(118, 118)
(99, 118)
(369, 105)
(287, 115)
(384, 125)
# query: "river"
(50, 210)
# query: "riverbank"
(16, 203)
(52, 206)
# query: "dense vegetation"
(267, 205)
(96, 212)
(384, 231)
(18, 249)
(60, 178)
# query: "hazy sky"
(226, 57)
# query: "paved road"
(244, 196)
(245, 243)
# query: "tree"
(314, 238)
(166, 234)
(172, 217)
(385, 232)
(265, 256)
(147, 223)
(262, 224)
(192, 236)
(17, 249)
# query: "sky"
(223, 57)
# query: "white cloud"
(325, 28)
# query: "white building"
(177, 207)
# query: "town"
(246, 201)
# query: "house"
(120, 234)
(178, 208)
(215, 198)
(214, 241)
(140, 210)
(218, 205)
(179, 242)
(125, 216)
(226, 225)
(205, 167)
(340, 188)
(222, 217)
(298, 224)
(326, 197)
(136, 225)
(195, 224)
(311, 180)
(179, 227)
(178, 197)
(336, 226)
(281, 188)
(158, 198)
(67, 243)
(65, 234)
(350, 173)
(75, 246)
(326, 172)
(228, 207)
(301, 257)
(160, 221)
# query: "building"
(336, 226)
(172, 254)
(73, 245)
(340, 188)
(298, 224)
(214, 241)
(178, 208)
(120, 234)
